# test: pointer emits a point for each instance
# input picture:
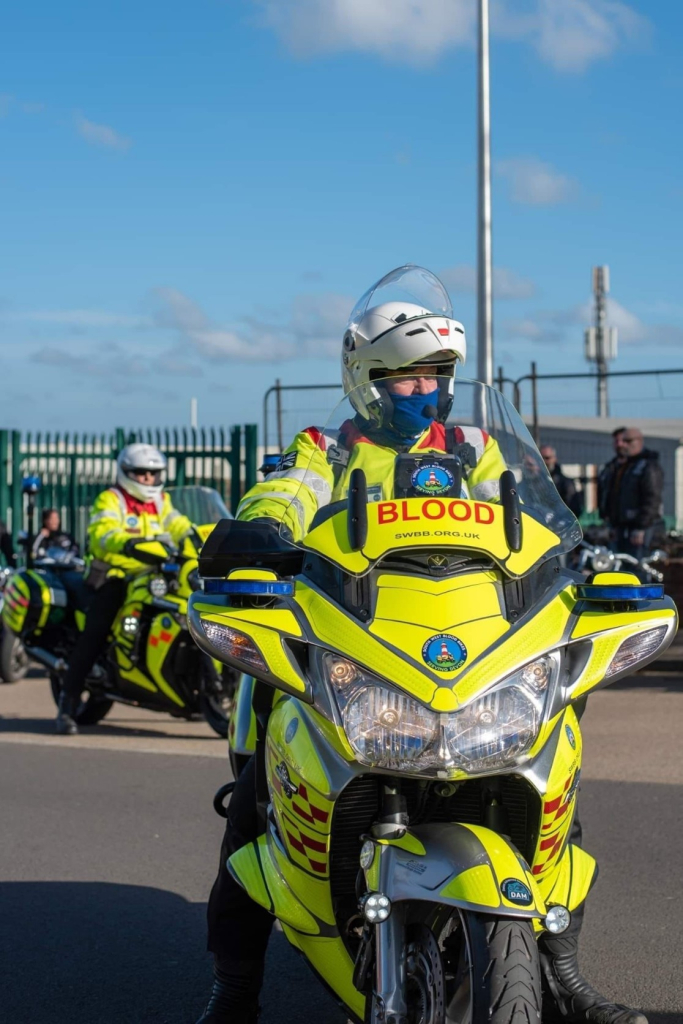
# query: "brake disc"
(425, 979)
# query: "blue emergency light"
(620, 592)
(249, 588)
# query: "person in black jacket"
(6, 547)
(566, 488)
(630, 493)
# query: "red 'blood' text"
(433, 508)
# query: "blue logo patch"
(516, 892)
(166, 622)
(291, 730)
(444, 652)
(132, 521)
(571, 737)
(432, 479)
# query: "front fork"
(390, 1005)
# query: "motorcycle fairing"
(242, 727)
(28, 602)
(562, 754)
(394, 652)
(606, 630)
(431, 522)
(163, 632)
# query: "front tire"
(480, 970)
(14, 661)
(91, 710)
(507, 971)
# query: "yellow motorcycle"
(421, 661)
(150, 660)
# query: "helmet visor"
(410, 284)
(151, 477)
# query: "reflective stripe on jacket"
(307, 479)
(113, 523)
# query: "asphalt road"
(108, 846)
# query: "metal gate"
(74, 468)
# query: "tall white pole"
(193, 413)
(484, 263)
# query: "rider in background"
(136, 508)
(51, 534)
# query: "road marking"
(124, 745)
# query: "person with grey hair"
(566, 487)
(630, 493)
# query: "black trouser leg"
(239, 929)
(101, 614)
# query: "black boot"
(567, 996)
(234, 997)
(65, 723)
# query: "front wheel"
(217, 698)
(91, 710)
(474, 970)
(14, 661)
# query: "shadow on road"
(668, 682)
(169, 728)
(98, 953)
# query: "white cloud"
(115, 362)
(535, 183)
(567, 34)
(101, 134)
(571, 34)
(567, 326)
(507, 284)
(403, 30)
(312, 327)
(78, 318)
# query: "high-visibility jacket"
(316, 467)
(116, 517)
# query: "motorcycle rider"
(398, 366)
(134, 509)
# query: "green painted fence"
(74, 468)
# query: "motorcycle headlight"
(158, 587)
(388, 729)
(499, 727)
(602, 560)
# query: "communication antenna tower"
(601, 340)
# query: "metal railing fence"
(75, 467)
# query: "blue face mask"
(408, 419)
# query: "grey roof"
(651, 428)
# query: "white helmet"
(137, 457)
(406, 319)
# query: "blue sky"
(193, 195)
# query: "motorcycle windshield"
(469, 478)
(201, 505)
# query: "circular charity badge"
(432, 479)
(444, 652)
